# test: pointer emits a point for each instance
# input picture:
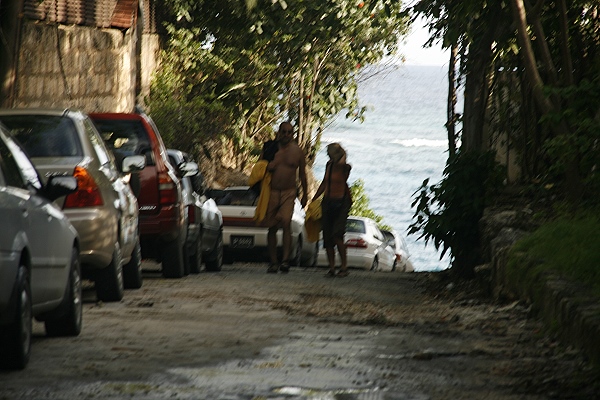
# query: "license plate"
(242, 242)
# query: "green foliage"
(582, 143)
(361, 206)
(448, 212)
(569, 246)
(237, 68)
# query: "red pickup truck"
(162, 221)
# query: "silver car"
(103, 210)
(39, 256)
(204, 241)
(396, 240)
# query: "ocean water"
(401, 143)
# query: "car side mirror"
(59, 186)
(133, 163)
(188, 169)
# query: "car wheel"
(214, 260)
(15, 339)
(375, 265)
(296, 261)
(132, 271)
(109, 280)
(195, 258)
(172, 259)
(70, 318)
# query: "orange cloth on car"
(312, 220)
(260, 174)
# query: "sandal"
(284, 267)
(330, 273)
(342, 274)
(272, 269)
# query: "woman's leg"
(341, 247)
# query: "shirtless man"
(289, 162)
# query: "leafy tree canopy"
(234, 69)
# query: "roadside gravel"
(245, 334)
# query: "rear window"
(125, 137)
(355, 225)
(237, 198)
(45, 135)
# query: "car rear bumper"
(97, 237)
(359, 259)
(166, 225)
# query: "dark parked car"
(39, 256)
(205, 223)
(103, 209)
(163, 225)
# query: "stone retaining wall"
(566, 308)
(77, 67)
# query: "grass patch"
(569, 245)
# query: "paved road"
(244, 334)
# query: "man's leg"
(272, 243)
(272, 247)
(287, 240)
(331, 257)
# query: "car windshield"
(237, 198)
(355, 225)
(45, 135)
(127, 137)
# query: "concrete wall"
(78, 67)
(149, 62)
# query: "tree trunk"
(477, 90)
(451, 113)
(574, 185)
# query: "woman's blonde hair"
(335, 152)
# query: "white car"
(403, 262)
(366, 246)
(242, 237)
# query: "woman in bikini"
(335, 207)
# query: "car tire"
(109, 280)
(375, 265)
(214, 259)
(70, 317)
(132, 271)
(15, 339)
(296, 261)
(172, 259)
(195, 258)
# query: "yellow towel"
(312, 220)
(259, 173)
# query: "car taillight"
(191, 214)
(87, 194)
(398, 257)
(356, 243)
(167, 190)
